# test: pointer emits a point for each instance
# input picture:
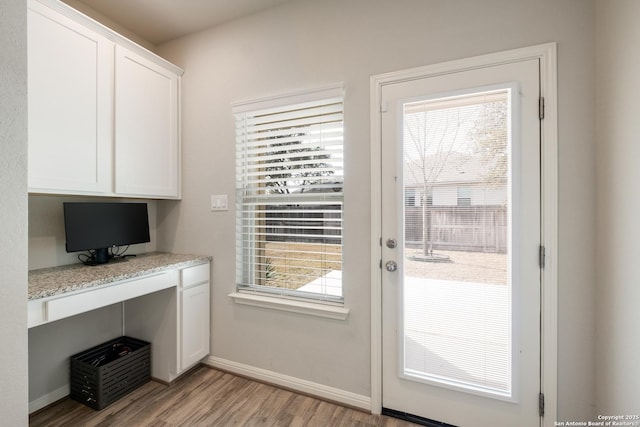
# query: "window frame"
(276, 297)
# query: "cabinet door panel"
(146, 127)
(195, 325)
(69, 105)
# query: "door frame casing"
(546, 54)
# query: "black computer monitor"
(96, 227)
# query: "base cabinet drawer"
(194, 275)
(68, 306)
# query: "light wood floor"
(208, 397)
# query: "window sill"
(294, 306)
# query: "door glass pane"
(457, 286)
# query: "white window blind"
(289, 175)
(457, 284)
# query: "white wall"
(310, 43)
(13, 212)
(51, 345)
(618, 130)
(489, 195)
(46, 229)
(445, 195)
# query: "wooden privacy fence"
(464, 228)
(304, 223)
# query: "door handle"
(391, 266)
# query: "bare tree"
(431, 143)
(280, 174)
(489, 140)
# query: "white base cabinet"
(169, 309)
(176, 322)
(195, 320)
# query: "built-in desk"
(49, 282)
(58, 292)
(164, 297)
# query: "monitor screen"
(96, 227)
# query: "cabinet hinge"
(541, 256)
(541, 108)
(541, 404)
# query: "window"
(289, 181)
(411, 197)
(464, 196)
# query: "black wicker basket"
(105, 373)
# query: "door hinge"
(542, 256)
(383, 107)
(541, 108)
(541, 404)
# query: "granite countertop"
(48, 282)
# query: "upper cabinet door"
(147, 149)
(70, 105)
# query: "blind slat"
(270, 155)
(297, 125)
(328, 141)
(310, 199)
(292, 119)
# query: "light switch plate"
(219, 202)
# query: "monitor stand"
(102, 256)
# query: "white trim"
(291, 383)
(549, 219)
(546, 53)
(375, 90)
(291, 98)
(291, 305)
(108, 33)
(49, 398)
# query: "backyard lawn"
(312, 261)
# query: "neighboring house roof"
(450, 168)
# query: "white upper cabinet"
(103, 111)
(70, 105)
(147, 149)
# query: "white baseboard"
(292, 383)
(49, 398)
(346, 398)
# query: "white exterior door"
(460, 209)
